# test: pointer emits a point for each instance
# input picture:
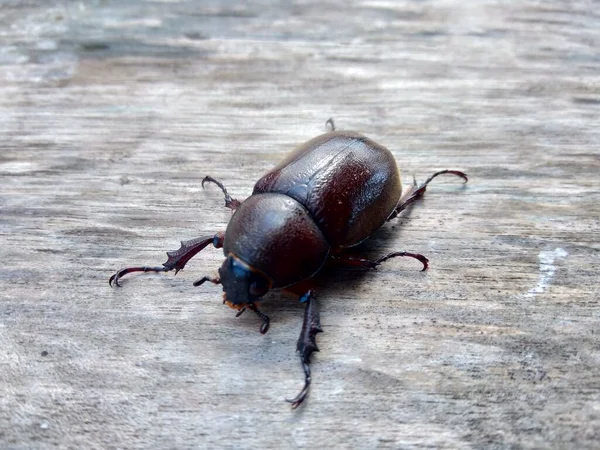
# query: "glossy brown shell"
(348, 183)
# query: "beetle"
(329, 195)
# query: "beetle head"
(242, 283)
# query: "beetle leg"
(352, 261)
(205, 279)
(307, 343)
(415, 193)
(177, 259)
(266, 321)
(330, 124)
(230, 203)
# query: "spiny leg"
(353, 261)
(177, 259)
(416, 193)
(230, 203)
(307, 343)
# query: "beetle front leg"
(230, 203)
(177, 259)
(307, 343)
(417, 192)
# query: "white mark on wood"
(17, 167)
(547, 270)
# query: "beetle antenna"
(266, 321)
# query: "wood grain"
(112, 112)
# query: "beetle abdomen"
(348, 183)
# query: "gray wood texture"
(111, 112)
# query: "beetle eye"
(258, 288)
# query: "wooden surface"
(111, 112)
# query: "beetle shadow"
(377, 245)
(352, 278)
(330, 280)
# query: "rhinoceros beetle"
(327, 196)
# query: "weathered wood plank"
(112, 112)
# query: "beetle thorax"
(275, 236)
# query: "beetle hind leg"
(230, 203)
(352, 261)
(417, 192)
(307, 343)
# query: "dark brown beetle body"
(330, 194)
(277, 236)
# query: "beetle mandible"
(328, 195)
